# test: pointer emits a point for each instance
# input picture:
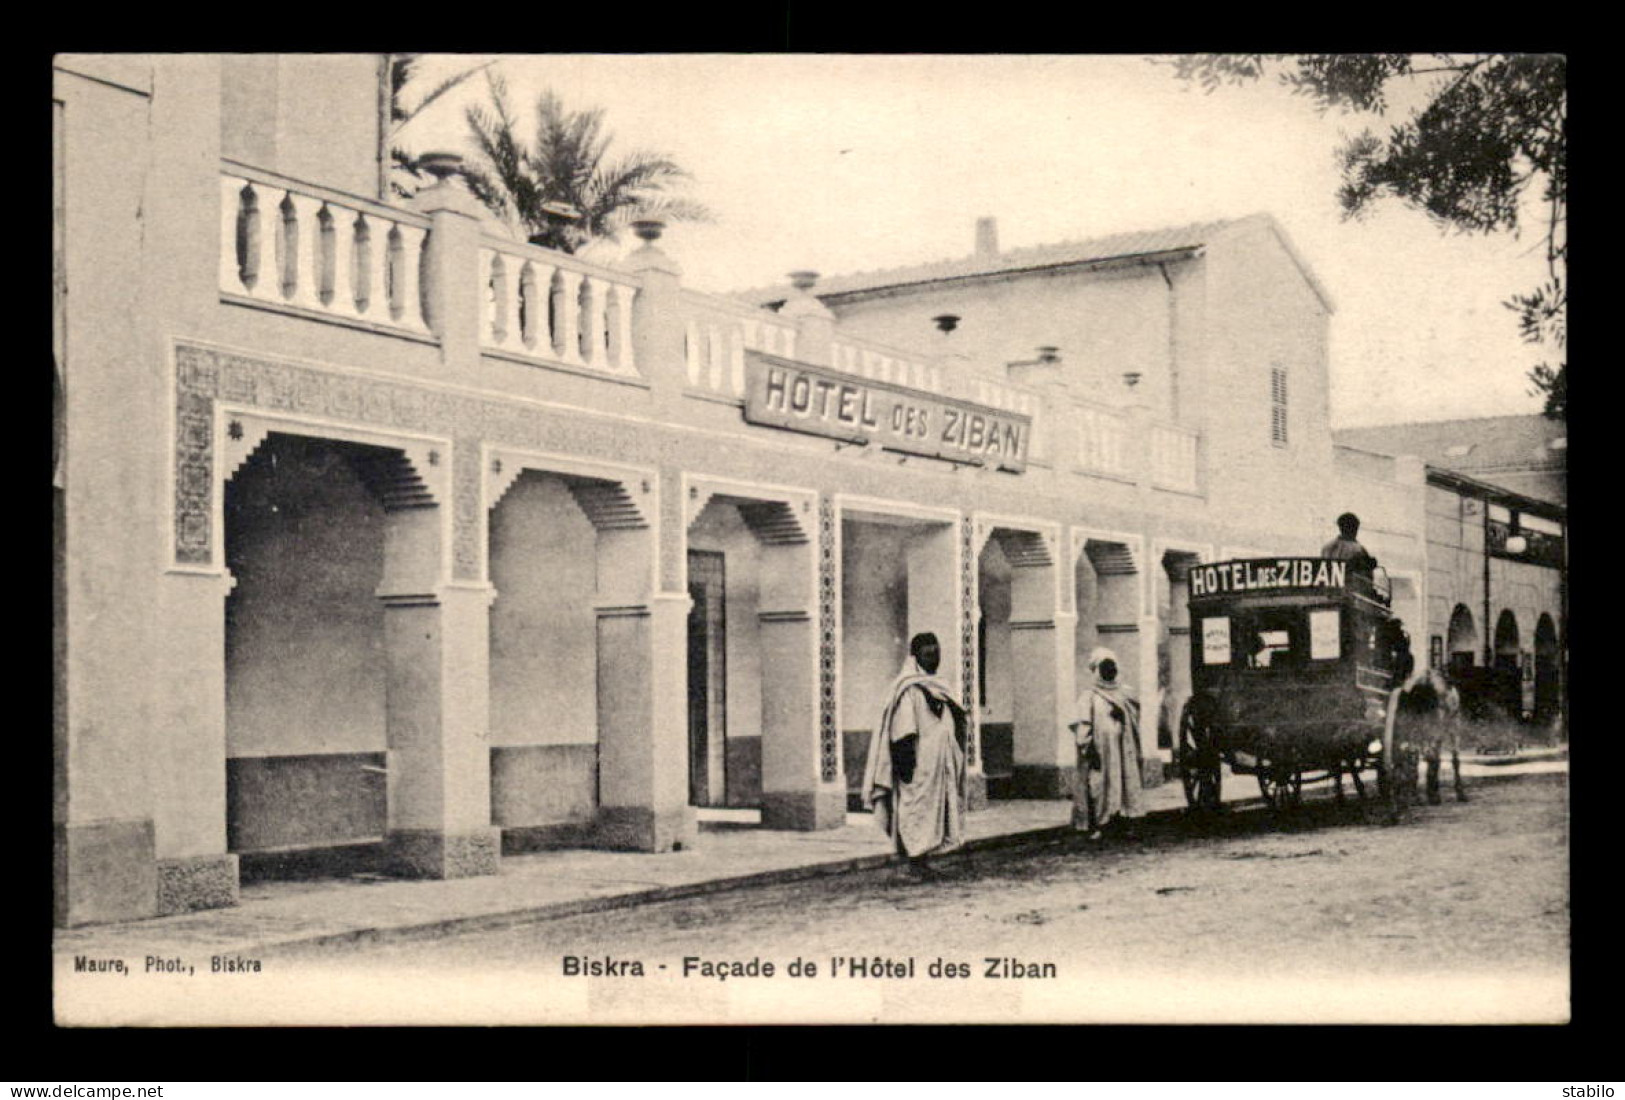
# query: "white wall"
(543, 627)
(305, 627)
(874, 617)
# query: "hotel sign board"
(1227, 578)
(781, 393)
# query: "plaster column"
(436, 646)
(452, 289)
(642, 725)
(189, 782)
(1151, 697)
(642, 642)
(815, 324)
(794, 794)
(1042, 659)
(657, 320)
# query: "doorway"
(707, 679)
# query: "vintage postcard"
(809, 538)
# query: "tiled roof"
(1490, 448)
(1117, 246)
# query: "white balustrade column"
(624, 359)
(592, 324)
(540, 308)
(490, 303)
(570, 315)
(343, 260)
(409, 276)
(513, 333)
(736, 361)
(692, 352)
(268, 280)
(307, 241)
(713, 350)
(231, 279)
(377, 267)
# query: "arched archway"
(1462, 642)
(1548, 685)
(1508, 686)
(306, 525)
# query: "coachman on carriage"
(1297, 666)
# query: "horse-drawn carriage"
(1296, 666)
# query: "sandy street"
(1460, 913)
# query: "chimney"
(987, 236)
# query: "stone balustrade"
(717, 333)
(303, 249)
(869, 359)
(1103, 435)
(298, 246)
(542, 304)
(1173, 458)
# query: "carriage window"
(1325, 640)
(1271, 640)
(1216, 641)
(1271, 649)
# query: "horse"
(1441, 725)
(1431, 709)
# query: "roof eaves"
(1439, 475)
(1167, 255)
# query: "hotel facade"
(378, 530)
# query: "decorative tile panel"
(829, 760)
(968, 561)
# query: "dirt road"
(1460, 913)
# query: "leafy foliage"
(1492, 127)
(568, 163)
(403, 70)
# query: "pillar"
(794, 793)
(452, 287)
(1043, 657)
(1151, 693)
(658, 330)
(189, 782)
(436, 646)
(642, 641)
(815, 324)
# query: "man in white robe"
(1110, 783)
(915, 775)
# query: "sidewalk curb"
(531, 914)
(485, 922)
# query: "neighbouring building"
(379, 531)
(1497, 532)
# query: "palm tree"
(563, 191)
(405, 178)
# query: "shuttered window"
(1278, 406)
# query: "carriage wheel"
(1281, 785)
(1198, 757)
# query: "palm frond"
(568, 162)
(404, 115)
